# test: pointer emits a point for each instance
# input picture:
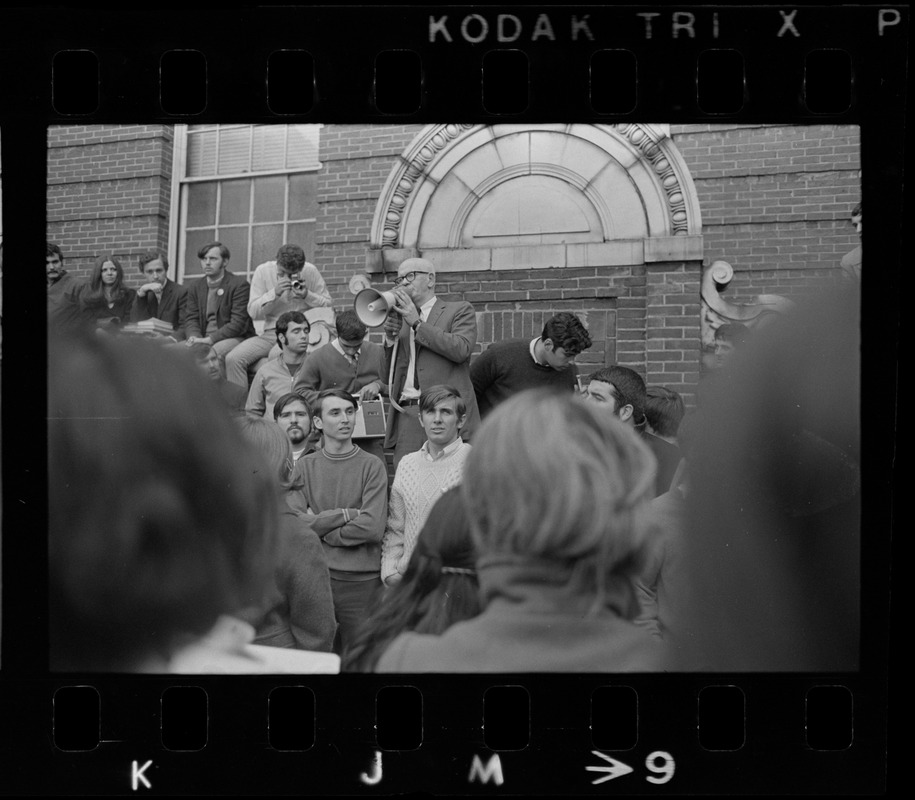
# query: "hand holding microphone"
(403, 305)
(392, 325)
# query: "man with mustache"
(293, 415)
(345, 501)
(63, 307)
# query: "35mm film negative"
(659, 172)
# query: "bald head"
(417, 277)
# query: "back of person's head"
(268, 439)
(291, 257)
(439, 586)
(159, 522)
(565, 330)
(200, 350)
(434, 395)
(664, 410)
(772, 551)
(349, 327)
(551, 477)
(629, 389)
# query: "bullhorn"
(372, 306)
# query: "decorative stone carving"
(649, 144)
(470, 161)
(322, 323)
(406, 176)
(716, 311)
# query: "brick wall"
(109, 190)
(775, 201)
(356, 161)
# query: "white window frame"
(177, 235)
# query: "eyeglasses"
(409, 277)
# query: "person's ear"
(626, 412)
(316, 423)
(548, 345)
(461, 421)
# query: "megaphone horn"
(372, 306)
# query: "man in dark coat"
(217, 303)
(160, 298)
(622, 391)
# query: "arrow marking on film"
(616, 769)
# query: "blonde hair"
(552, 477)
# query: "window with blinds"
(251, 187)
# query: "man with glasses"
(621, 391)
(349, 363)
(289, 283)
(513, 365)
(428, 343)
(277, 376)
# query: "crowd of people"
(231, 512)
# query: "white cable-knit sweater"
(418, 483)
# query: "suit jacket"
(443, 347)
(172, 308)
(231, 309)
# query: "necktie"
(153, 304)
(413, 358)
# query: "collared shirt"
(447, 450)
(534, 355)
(410, 392)
(353, 359)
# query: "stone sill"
(593, 254)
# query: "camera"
(298, 286)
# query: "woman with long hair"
(300, 610)
(557, 492)
(439, 588)
(104, 300)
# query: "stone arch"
(472, 187)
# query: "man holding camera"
(289, 283)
